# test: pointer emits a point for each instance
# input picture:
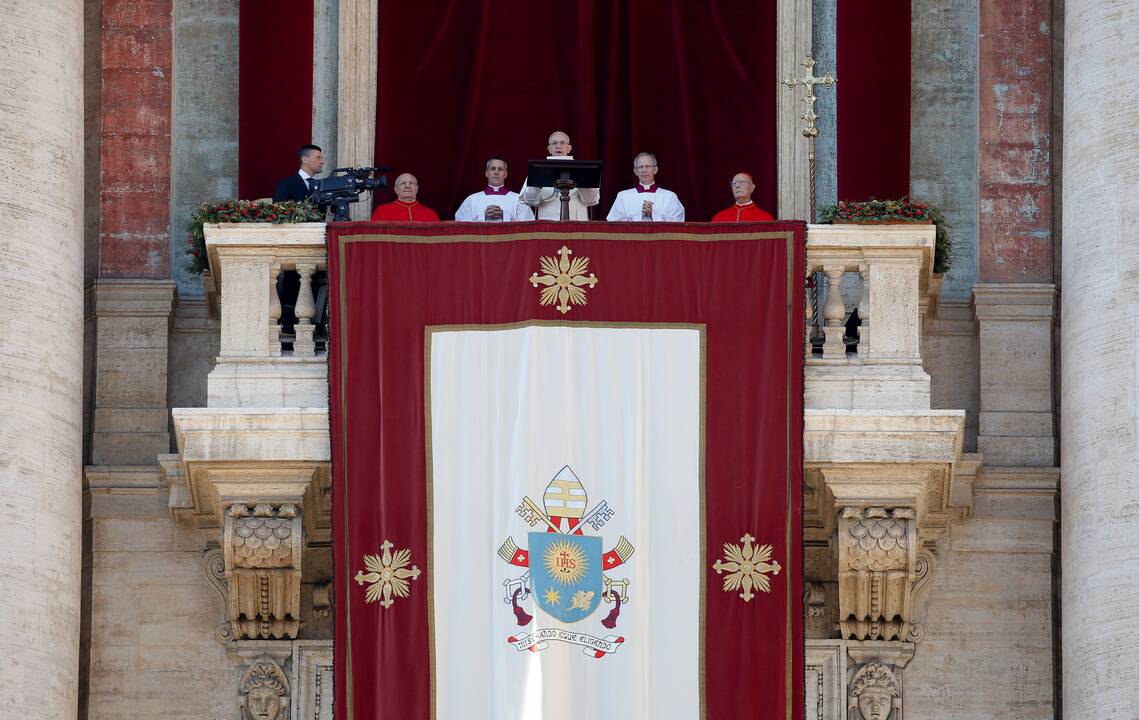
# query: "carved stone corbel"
(877, 568)
(889, 521)
(263, 545)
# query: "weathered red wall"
(134, 225)
(1015, 154)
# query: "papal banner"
(567, 468)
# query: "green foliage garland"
(241, 211)
(904, 210)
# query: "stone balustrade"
(882, 369)
(885, 272)
(257, 367)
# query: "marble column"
(1099, 363)
(41, 356)
(358, 49)
(325, 69)
(793, 33)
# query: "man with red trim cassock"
(405, 208)
(647, 200)
(744, 210)
(495, 202)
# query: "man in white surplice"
(546, 201)
(646, 201)
(494, 202)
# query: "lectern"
(565, 175)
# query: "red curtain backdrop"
(274, 91)
(693, 83)
(873, 99)
(743, 282)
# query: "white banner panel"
(620, 409)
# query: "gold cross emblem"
(747, 567)
(388, 575)
(564, 280)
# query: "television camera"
(344, 186)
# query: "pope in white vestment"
(495, 202)
(547, 200)
(646, 201)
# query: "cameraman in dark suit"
(298, 186)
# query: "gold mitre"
(565, 496)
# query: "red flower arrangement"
(905, 210)
(241, 211)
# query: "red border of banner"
(389, 282)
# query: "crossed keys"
(531, 514)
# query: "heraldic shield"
(566, 574)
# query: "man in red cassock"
(744, 210)
(405, 208)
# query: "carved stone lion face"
(263, 703)
(875, 704)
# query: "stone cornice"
(296, 241)
(1020, 480)
(883, 437)
(250, 456)
(1014, 301)
(121, 477)
(854, 242)
(133, 297)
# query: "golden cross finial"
(809, 81)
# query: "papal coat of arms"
(566, 571)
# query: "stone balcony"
(867, 402)
(253, 466)
(871, 437)
(885, 272)
(884, 474)
(878, 458)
